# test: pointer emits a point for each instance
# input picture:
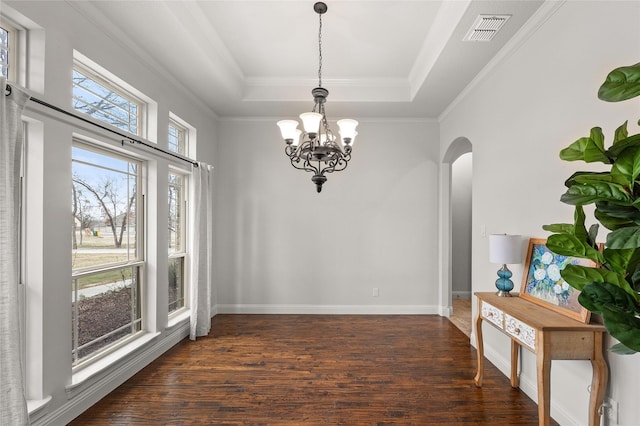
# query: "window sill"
(178, 319)
(37, 408)
(108, 362)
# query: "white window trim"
(141, 262)
(13, 47)
(190, 136)
(176, 316)
(148, 116)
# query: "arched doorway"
(455, 151)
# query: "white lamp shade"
(505, 249)
(296, 139)
(311, 121)
(347, 128)
(353, 139)
(288, 129)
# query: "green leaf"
(580, 231)
(589, 149)
(624, 327)
(559, 228)
(593, 234)
(621, 133)
(582, 194)
(621, 349)
(618, 260)
(569, 245)
(627, 165)
(619, 147)
(578, 276)
(624, 238)
(588, 178)
(621, 84)
(610, 222)
(605, 297)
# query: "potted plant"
(612, 289)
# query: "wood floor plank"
(317, 369)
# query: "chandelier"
(315, 149)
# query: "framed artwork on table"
(543, 285)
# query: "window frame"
(113, 87)
(13, 35)
(139, 263)
(183, 251)
(182, 145)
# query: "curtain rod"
(7, 92)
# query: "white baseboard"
(328, 309)
(461, 294)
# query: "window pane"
(176, 283)
(104, 207)
(105, 309)
(104, 103)
(4, 52)
(175, 213)
(177, 138)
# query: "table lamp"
(505, 249)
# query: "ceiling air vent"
(486, 27)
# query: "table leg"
(479, 351)
(543, 366)
(515, 355)
(598, 381)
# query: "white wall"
(538, 99)
(48, 204)
(282, 247)
(461, 173)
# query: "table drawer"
(493, 314)
(522, 332)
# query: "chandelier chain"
(320, 52)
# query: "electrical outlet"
(375, 292)
(611, 410)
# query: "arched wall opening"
(458, 148)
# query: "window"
(8, 38)
(107, 252)
(178, 138)
(177, 241)
(103, 100)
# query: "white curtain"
(201, 250)
(13, 405)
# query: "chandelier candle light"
(505, 249)
(316, 150)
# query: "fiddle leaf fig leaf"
(559, 228)
(593, 234)
(624, 238)
(621, 145)
(588, 149)
(598, 191)
(621, 133)
(618, 260)
(627, 165)
(605, 297)
(578, 276)
(578, 228)
(624, 327)
(569, 245)
(621, 84)
(621, 349)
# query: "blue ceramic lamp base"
(504, 284)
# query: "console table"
(549, 335)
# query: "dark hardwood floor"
(317, 369)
